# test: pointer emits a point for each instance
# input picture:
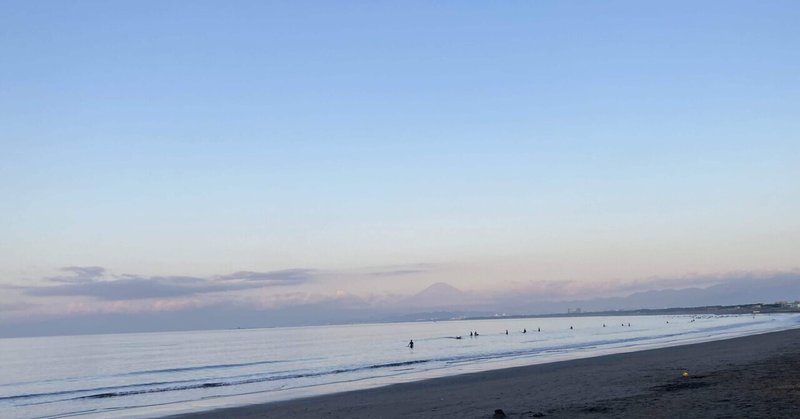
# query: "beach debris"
(499, 414)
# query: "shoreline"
(750, 376)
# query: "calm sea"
(153, 374)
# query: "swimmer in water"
(411, 344)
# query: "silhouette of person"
(524, 330)
(539, 329)
(506, 331)
(411, 344)
(570, 328)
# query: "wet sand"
(750, 377)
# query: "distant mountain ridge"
(437, 301)
(741, 291)
(445, 297)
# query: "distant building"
(788, 304)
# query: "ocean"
(156, 374)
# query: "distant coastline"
(757, 308)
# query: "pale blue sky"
(515, 141)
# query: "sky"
(286, 152)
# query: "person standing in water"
(411, 344)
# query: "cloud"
(79, 274)
(398, 272)
(92, 282)
(131, 288)
(14, 306)
(402, 270)
(282, 277)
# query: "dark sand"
(749, 377)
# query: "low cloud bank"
(94, 282)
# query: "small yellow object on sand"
(685, 374)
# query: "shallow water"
(147, 374)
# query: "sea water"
(153, 374)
